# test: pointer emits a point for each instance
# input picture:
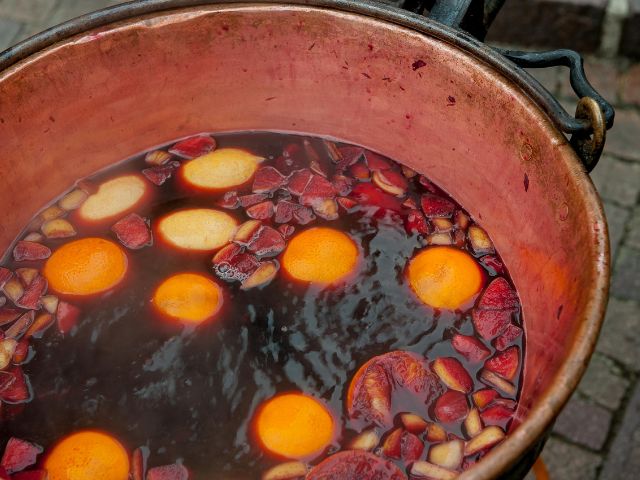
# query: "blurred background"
(598, 434)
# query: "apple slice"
(262, 276)
(5, 276)
(49, 303)
(267, 242)
(133, 231)
(430, 471)
(496, 414)
(508, 337)
(355, 465)
(440, 239)
(486, 439)
(160, 174)
(413, 423)
(391, 182)
(286, 471)
(229, 200)
(19, 454)
(286, 230)
(461, 220)
(342, 185)
(138, 464)
(436, 206)
(252, 199)
(21, 352)
(20, 326)
(268, 180)
(197, 229)
(452, 374)
(246, 232)
(7, 349)
(168, 472)
(415, 222)
(30, 251)
(371, 196)
(30, 298)
(473, 423)
(497, 304)
(298, 181)
(451, 407)
(435, 433)
(402, 445)
(14, 386)
(26, 275)
(73, 200)
(13, 289)
(67, 316)
(447, 454)
(41, 322)
(157, 157)
(470, 348)
(497, 381)
(505, 363)
(261, 211)
(480, 242)
(8, 315)
(367, 441)
(113, 198)
(484, 397)
(193, 147)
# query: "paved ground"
(598, 434)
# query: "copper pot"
(101, 88)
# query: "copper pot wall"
(107, 89)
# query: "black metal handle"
(473, 16)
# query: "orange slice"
(86, 266)
(320, 255)
(294, 425)
(200, 229)
(221, 169)
(188, 297)
(88, 455)
(444, 277)
(114, 197)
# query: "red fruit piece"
(451, 406)
(43, 321)
(21, 352)
(160, 174)
(8, 315)
(368, 194)
(327, 209)
(452, 374)
(391, 182)
(342, 185)
(350, 155)
(298, 181)
(347, 203)
(436, 206)
(510, 335)
(492, 315)
(416, 223)
(267, 243)
(168, 472)
(360, 171)
(30, 299)
(428, 185)
(403, 445)
(484, 397)
(261, 211)
(493, 265)
(20, 326)
(229, 200)
(67, 316)
(355, 465)
(317, 190)
(253, 199)
(237, 266)
(375, 161)
(138, 462)
(14, 386)
(286, 230)
(496, 415)
(303, 215)
(30, 251)
(284, 211)
(19, 454)
(292, 157)
(133, 231)
(5, 275)
(194, 146)
(30, 475)
(470, 348)
(505, 363)
(267, 180)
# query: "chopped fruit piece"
(5, 275)
(452, 374)
(30, 251)
(436, 206)
(493, 265)
(506, 339)
(348, 155)
(194, 146)
(19, 454)
(67, 316)
(268, 180)
(85, 267)
(168, 472)
(462, 220)
(8, 315)
(188, 297)
(496, 414)
(7, 349)
(267, 242)
(13, 289)
(262, 276)
(414, 423)
(497, 381)
(373, 386)
(430, 471)
(375, 161)
(505, 363)
(252, 199)
(221, 169)
(138, 463)
(441, 239)
(484, 440)
(442, 224)
(470, 348)
(360, 171)
(355, 465)
(30, 475)
(390, 181)
(492, 315)
(327, 209)
(20, 326)
(30, 299)
(133, 231)
(368, 194)
(27, 275)
(229, 200)
(88, 455)
(408, 172)
(284, 211)
(416, 223)
(303, 215)
(451, 406)
(411, 204)
(335, 153)
(14, 386)
(294, 425)
(444, 277)
(320, 255)
(157, 157)
(342, 185)
(473, 423)
(286, 230)
(199, 229)
(159, 175)
(428, 185)
(367, 441)
(73, 200)
(261, 211)
(402, 445)
(347, 203)
(298, 181)
(447, 454)
(435, 433)
(41, 322)
(286, 471)
(484, 397)
(247, 232)
(480, 241)
(34, 237)
(114, 197)
(50, 213)
(317, 190)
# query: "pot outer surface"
(87, 102)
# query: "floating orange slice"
(320, 255)
(188, 297)
(221, 169)
(86, 266)
(294, 425)
(200, 229)
(444, 277)
(88, 455)
(114, 197)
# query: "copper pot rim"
(549, 405)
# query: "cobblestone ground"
(598, 434)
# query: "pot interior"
(85, 103)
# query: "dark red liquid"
(189, 393)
